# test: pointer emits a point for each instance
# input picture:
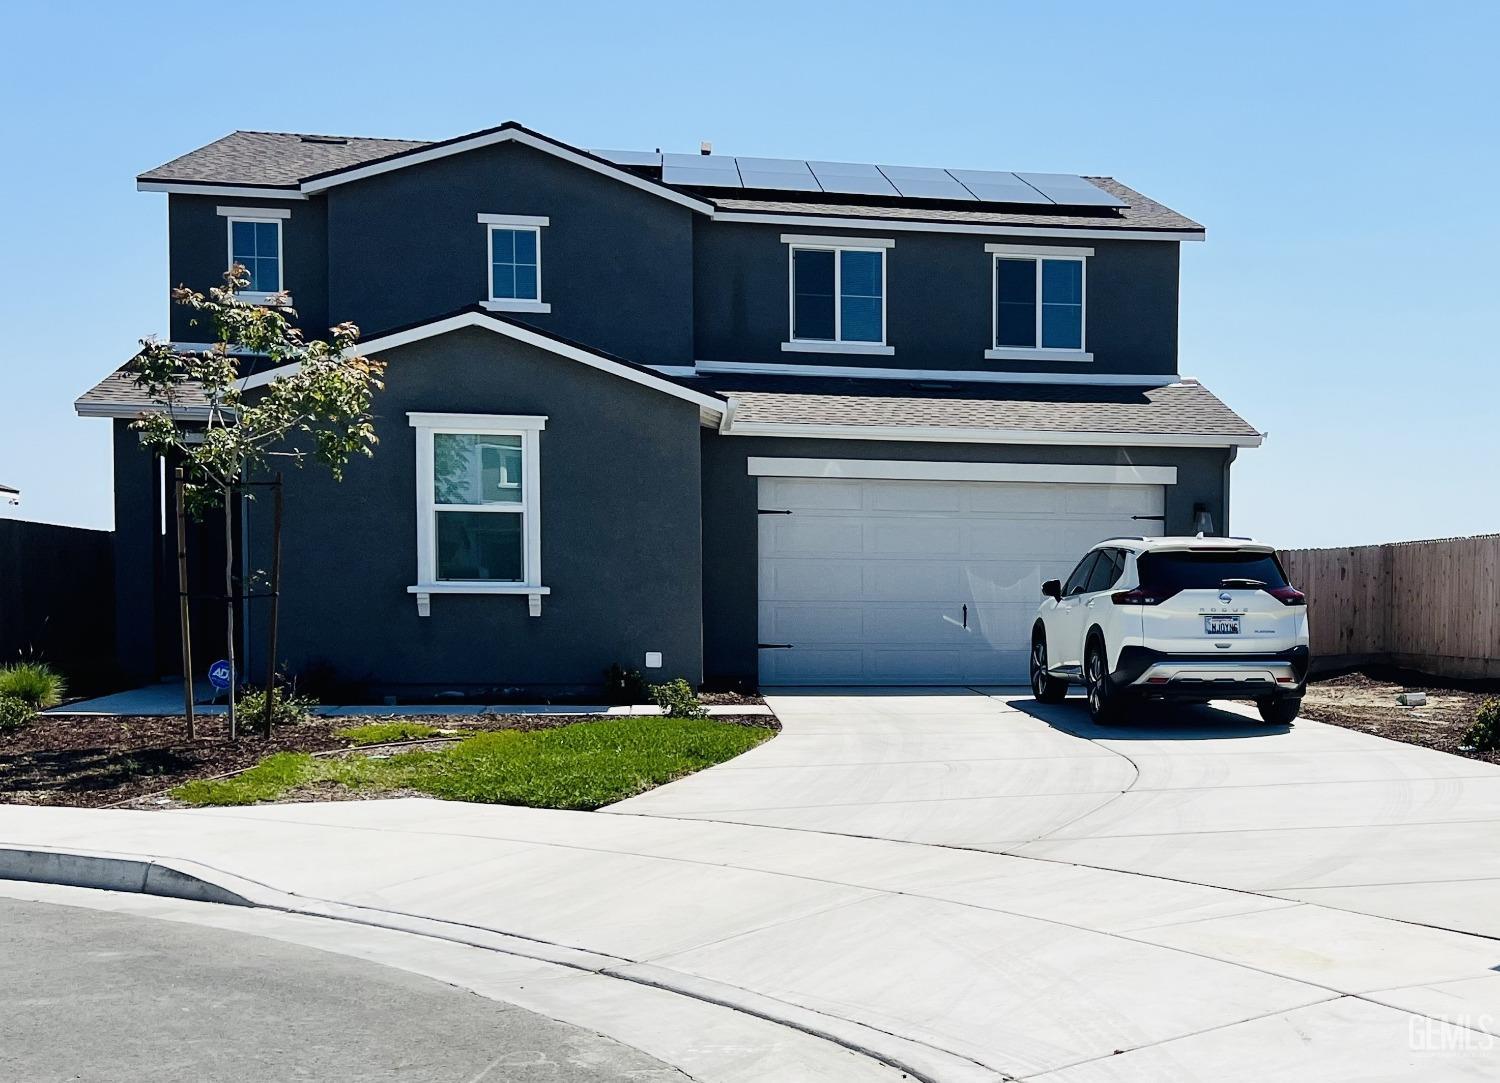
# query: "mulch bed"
(1367, 703)
(93, 762)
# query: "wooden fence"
(1431, 606)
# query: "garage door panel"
(814, 580)
(869, 580)
(908, 498)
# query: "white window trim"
(528, 427)
(518, 222)
(997, 352)
(837, 344)
(245, 214)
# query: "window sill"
(839, 347)
(1017, 353)
(506, 304)
(424, 592)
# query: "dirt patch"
(1360, 702)
(94, 761)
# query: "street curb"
(142, 876)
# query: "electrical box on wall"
(653, 659)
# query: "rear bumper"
(1216, 676)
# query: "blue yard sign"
(219, 674)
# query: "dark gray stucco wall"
(620, 487)
(199, 255)
(730, 532)
(136, 541)
(938, 297)
(406, 245)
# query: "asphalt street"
(93, 997)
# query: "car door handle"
(1091, 602)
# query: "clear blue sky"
(1344, 156)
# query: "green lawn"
(582, 766)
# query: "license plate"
(1221, 626)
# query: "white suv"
(1187, 619)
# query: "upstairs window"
(515, 262)
(837, 295)
(255, 244)
(1039, 300)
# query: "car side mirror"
(1052, 588)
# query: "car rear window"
(1207, 570)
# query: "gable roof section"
(290, 165)
(285, 164)
(117, 396)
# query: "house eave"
(938, 434)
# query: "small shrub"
(677, 699)
(290, 709)
(624, 686)
(14, 713)
(1484, 734)
(34, 682)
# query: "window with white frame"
(1039, 300)
(478, 513)
(837, 292)
(255, 244)
(515, 262)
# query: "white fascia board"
(980, 228)
(927, 470)
(506, 135)
(239, 191)
(125, 410)
(937, 434)
(255, 212)
(811, 240)
(985, 376)
(711, 403)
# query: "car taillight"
(1141, 596)
(1287, 595)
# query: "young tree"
(317, 408)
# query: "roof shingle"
(274, 158)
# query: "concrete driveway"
(958, 882)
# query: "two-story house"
(733, 419)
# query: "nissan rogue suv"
(1185, 619)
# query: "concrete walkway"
(961, 883)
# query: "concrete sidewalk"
(964, 885)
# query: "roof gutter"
(940, 434)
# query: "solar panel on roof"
(780, 174)
(852, 178)
(630, 157)
(1071, 191)
(700, 170)
(994, 187)
(924, 182)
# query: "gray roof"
(1141, 213)
(276, 158)
(1186, 408)
(284, 159)
(8, 488)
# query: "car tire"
(1281, 711)
(1106, 704)
(1045, 688)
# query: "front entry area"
(875, 581)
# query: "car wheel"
(1281, 711)
(1045, 688)
(1105, 703)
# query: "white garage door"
(921, 582)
